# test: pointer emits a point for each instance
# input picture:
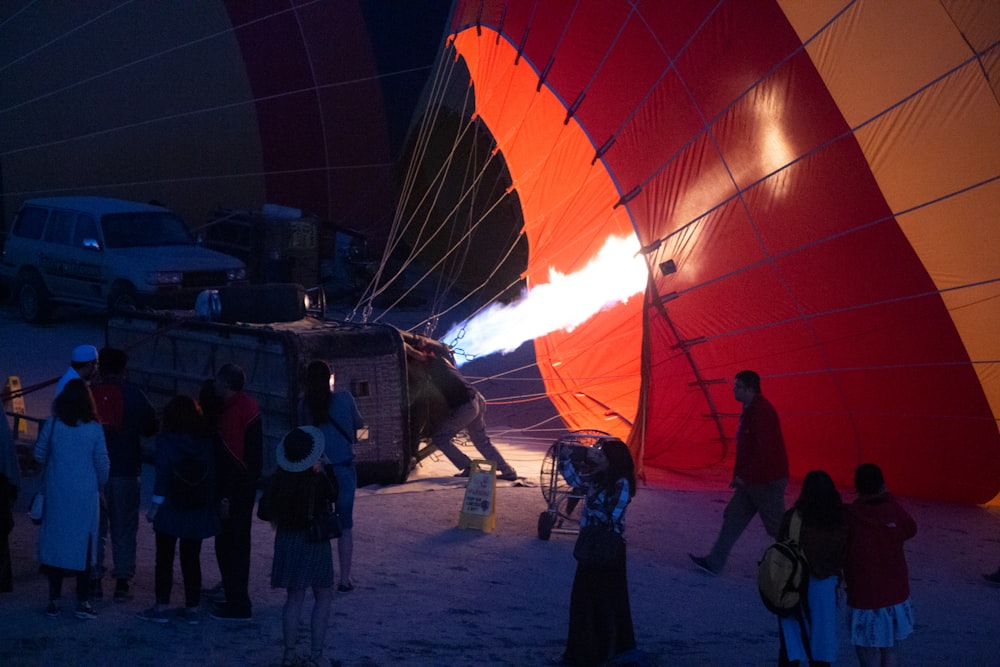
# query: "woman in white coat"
(71, 447)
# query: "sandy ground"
(430, 593)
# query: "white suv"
(109, 253)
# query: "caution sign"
(479, 505)
(12, 395)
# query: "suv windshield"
(132, 230)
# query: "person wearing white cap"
(82, 366)
(298, 490)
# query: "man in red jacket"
(759, 476)
(238, 472)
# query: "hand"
(151, 514)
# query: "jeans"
(190, 552)
(120, 521)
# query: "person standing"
(71, 447)
(10, 483)
(183, 506)
(876, 574)
(127, 416)
(760, 474)
(82, 366)
(823, 538)
(600, 615)
(466, 410)
(297, 491)
(336, 414)
(238, 470)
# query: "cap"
(84, 353)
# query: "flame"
(614, 275)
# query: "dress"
(600, 615)
(76, 464)
(298, 563)
(876, 573)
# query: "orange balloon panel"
(825, 177)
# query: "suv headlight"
(236, 274)
(165, 278)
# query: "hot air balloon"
(814, 189)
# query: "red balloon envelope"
(824, 177)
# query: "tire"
(546, 520)
(33, 299)
(122, 299)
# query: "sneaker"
(85, 611)
(229, 613)
(507, 474)
(53, 610)
(702, 562)
(216, 594)
(153, 615)
(122, 592)
(190, 615)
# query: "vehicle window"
(31, 222)
(60, 228)
(86, 228)
(130, 230)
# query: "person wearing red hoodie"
(240, 461)
(875, 571)
(760, 474)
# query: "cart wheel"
(545, 522)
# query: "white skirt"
(881, 628)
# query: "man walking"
(238, 472)
(127, 416)
(759, 476)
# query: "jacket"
(760, 446)
(876, 572)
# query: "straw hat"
(300, 448)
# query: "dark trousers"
(232, 548)
(190, 551)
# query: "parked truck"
(172, 352)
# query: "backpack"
(110, 406)
(783, 572)
(189, 483)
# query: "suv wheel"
(33, 299)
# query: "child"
(878, 582)
(297, 491)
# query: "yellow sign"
(479, 505)
(13, 388)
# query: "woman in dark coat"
(71, 447)
(600, 616)
(184, 505)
